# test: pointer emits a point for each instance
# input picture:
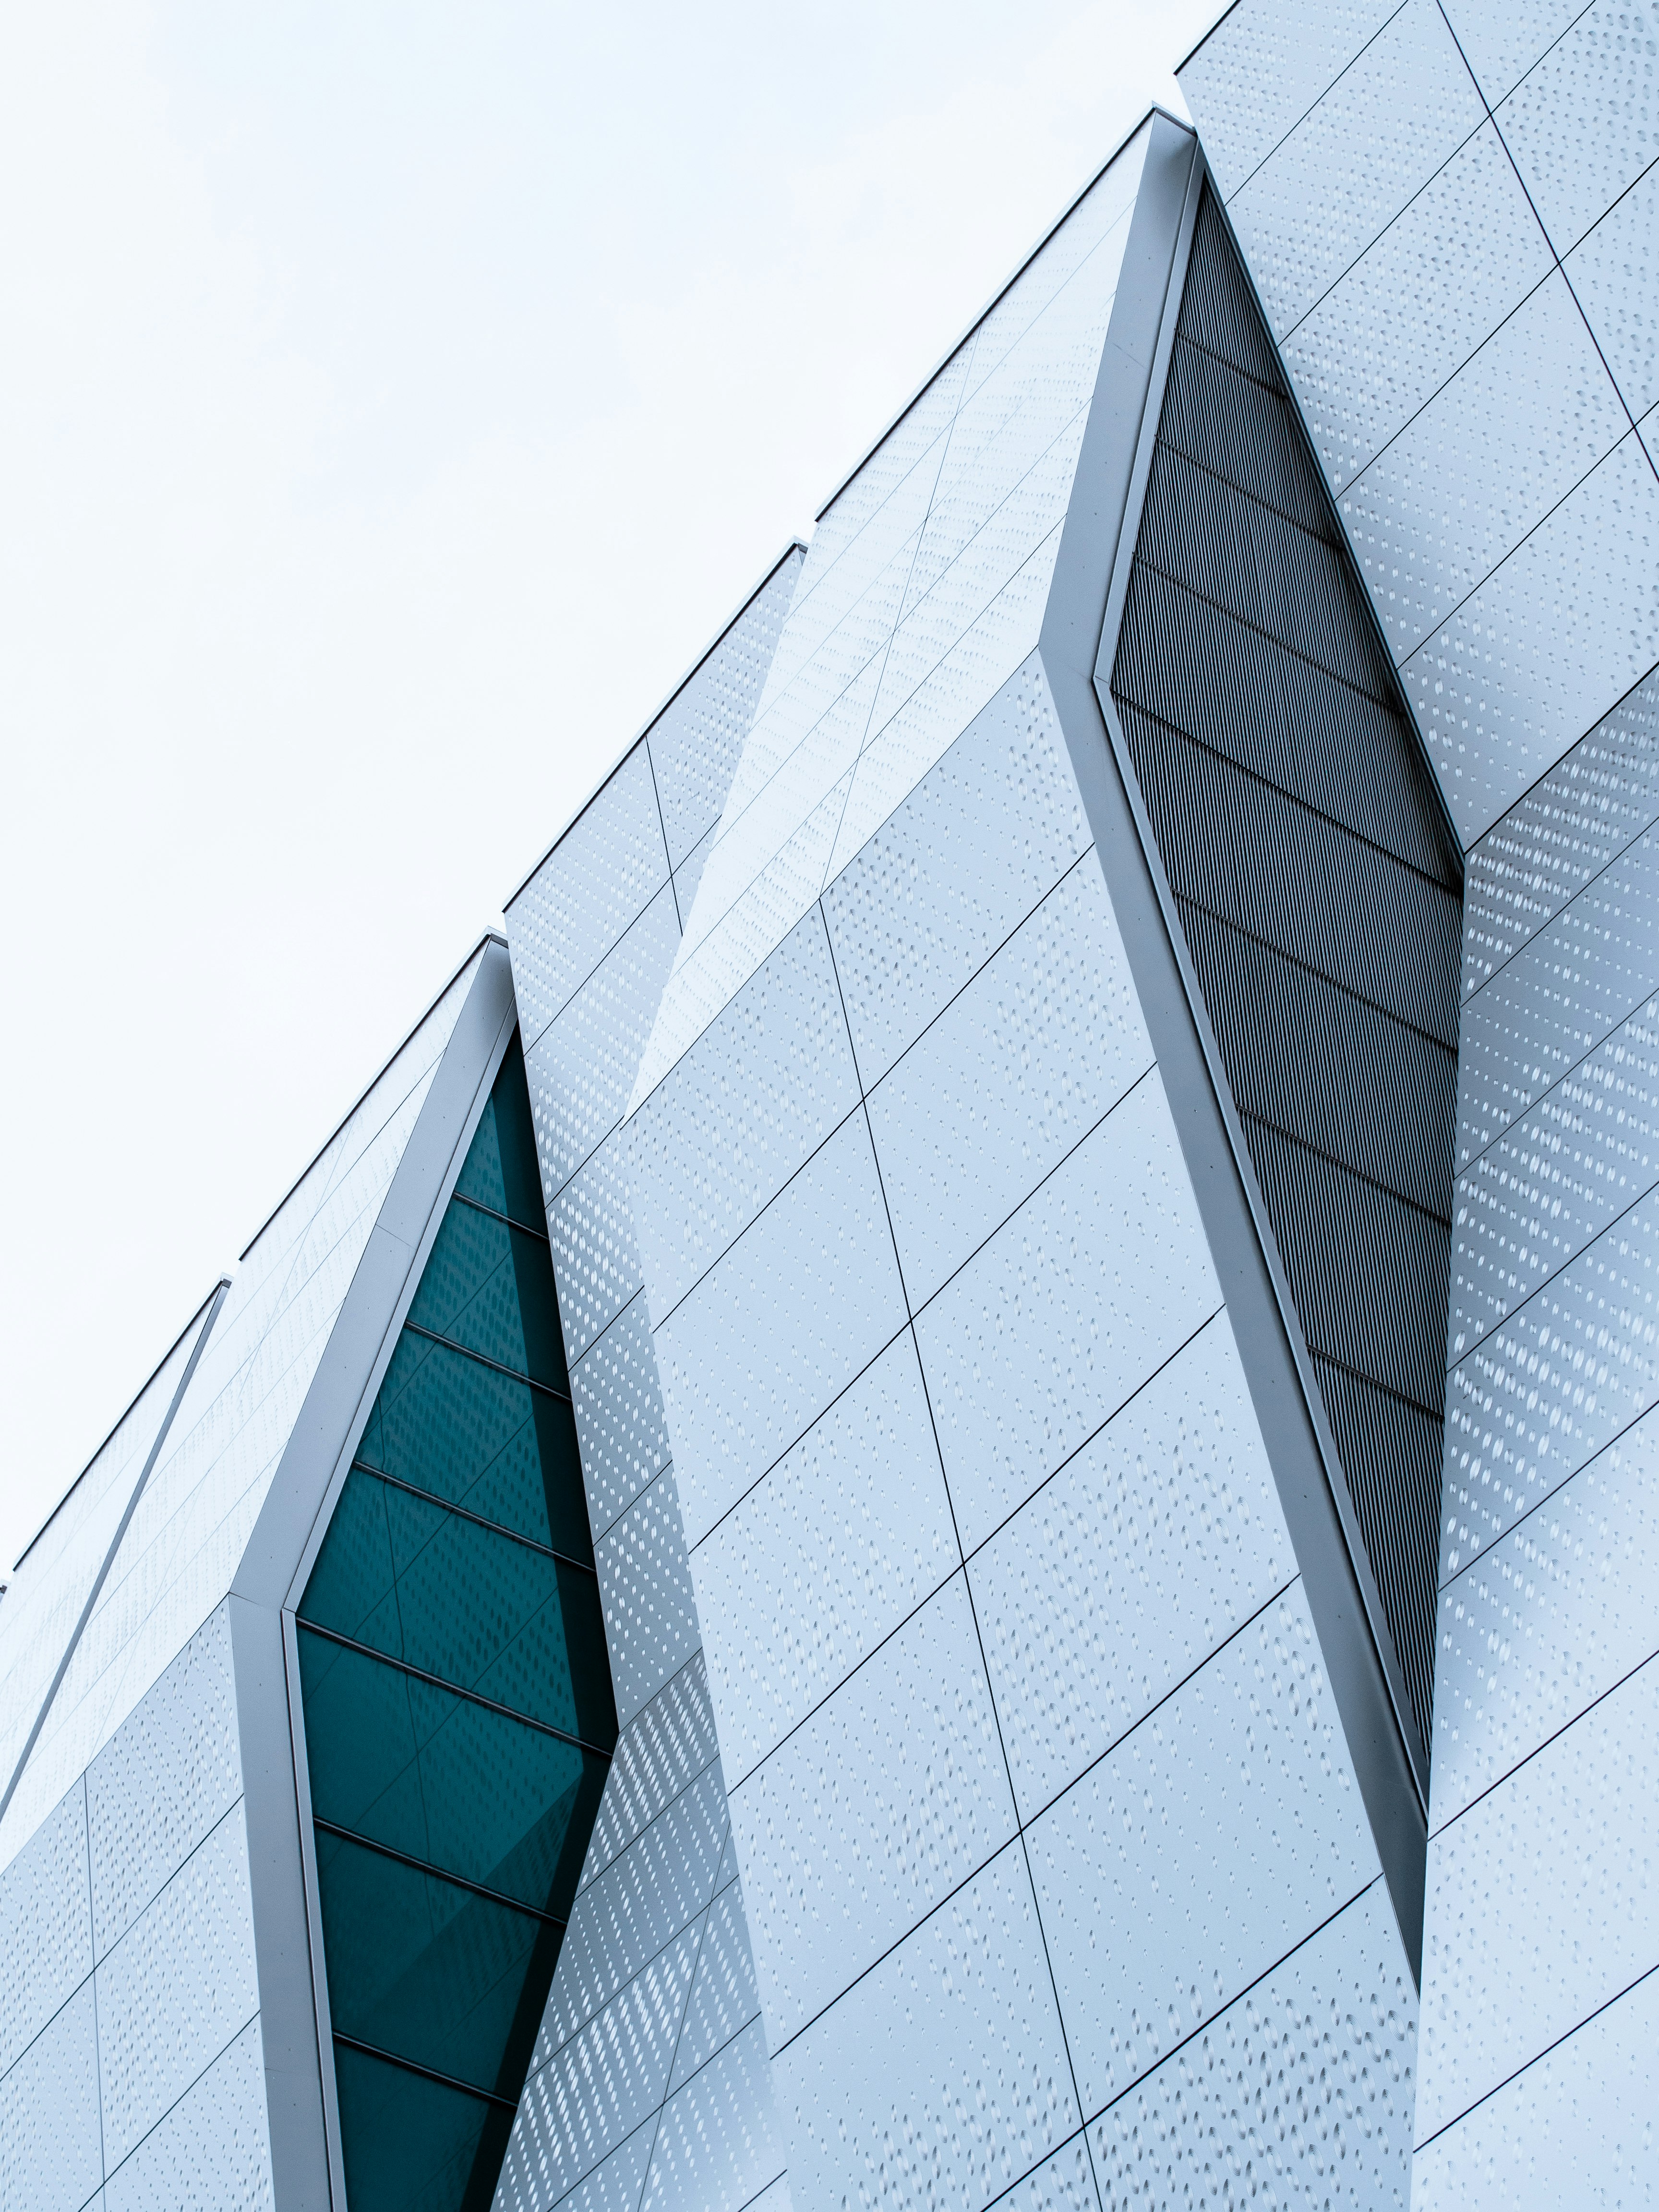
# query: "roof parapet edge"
(795, 545)
(486, 937)
(1231, 7)
(149, 1378)
(1155, 109)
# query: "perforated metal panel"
(922, 593)
(649, 2073)
(1509, 519)
(1486, 354)
(183, 1547)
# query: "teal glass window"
(458, 1713)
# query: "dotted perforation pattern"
(130, 2051)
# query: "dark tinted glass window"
(458, 1711)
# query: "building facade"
(1471, 327)
(944, 1499)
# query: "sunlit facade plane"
(945, 1498)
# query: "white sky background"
(397, 398)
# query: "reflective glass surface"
(488, 1287)
(459, 1717)
(444, 1779)
(424, 1970)
(459, 1599)
(501, 1171)
(426, 2135)
(479, 1439)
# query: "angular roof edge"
(1208, 35)
(1001, 292)
(795, 545)
(489, 936)
(486, 937)
(104, 1446)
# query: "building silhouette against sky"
(949, 1496)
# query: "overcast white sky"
(397, 398)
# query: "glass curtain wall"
(458, 1712)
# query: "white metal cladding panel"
(45, 1926)
(821, 1560)
(719, 2140)
(212, 2149)
(1268, 1846)
(1558, 631)
(1566, 1171)
(1581, 123)
(1578, 2126)
(1591, 808)
(50, 2155)
(620, 1424)
(1143, 1555)
(603, 871)
(876, 1704)
(724, 1999)
(181, 1549)
(660, 1753)
(56, 1576)
(650, 1894)
(1099, 1279)
(902, 751)
(1552, 1617)
(1063, 2183)
(654, 2009)
(1502, 39)
(1036, 1050)
(1549, 1610)
(164, 1781)
(645, 1590)
(1561, 1850)
(143, 1866)
(1401, 108)
(177, 1989)
(1589, 967)
(942, 2075)
(1614, 275)
(762, 1088)
(597, 2087)
(596, 1253)
(1264, 66)
(882, 1802)
(1563, 1376)
(954, 871)
(1518, 591)
(913, 611)
(609, 2108)
(1299, 2095)
(783, 1321)
(1458, 258)
(582, 1065)
(696, 742)
(1485, 461)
